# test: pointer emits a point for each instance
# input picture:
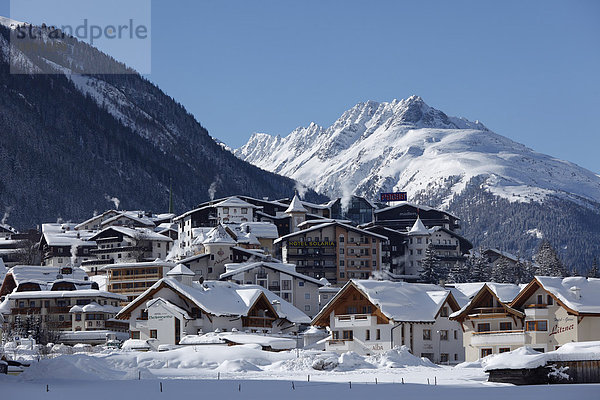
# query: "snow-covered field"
(247, 372)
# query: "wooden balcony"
(488, 310)
(59, 310)
(25, 310)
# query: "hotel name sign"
(297, 243)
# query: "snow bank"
(399, 357)
(526, 357)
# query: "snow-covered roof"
(501, 253)
(7, 228)
(180, 269)
(399, 301)
(290, 269)
(136, 233)
(168, 304)
(235, 202)
(46, 275)
(199, 235)
(135, 216)
(418, 228)
(224, 298)
(55, 235)
(320, 220)
(577, 293)
(327, 224)
(220, 235)
(193, 258)
(417, 206)
(526, 357)
(38, 294)
(403, 301)
(265, 230)
(296, 205)
(505, 292)
(155, 263)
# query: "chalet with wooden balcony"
(177, 306)
(370, 317)
(488, 323)
(545, 314)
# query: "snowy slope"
(407, 145)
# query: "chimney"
(576, 292)
(277, 306)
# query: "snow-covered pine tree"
(504, 272)
(431, 270)
(459, 272)
(548, 263)
(479, 269)
(593, 273)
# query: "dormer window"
(244, 210)
(225, 210)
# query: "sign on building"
(397, 196)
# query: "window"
(455, 335)
(347, 335)
(342, 275)
(368, 335)
(77, 317)
(485, 327)
(549, 300)
(419, 240)
(307, 296)
(324, 297)
(225, 210)
(61, 317)
(342, 263)
(537, 325)
(341, 250)
(443, 335)
(485, 352)
(503, 349)
(419, 252)
(301, 283)
(505, 326)
(540, 299)
(426, 334)
(135, 334)
(444, 312)
(286, 284)
(335, 335)
(444, 357)
(539, 349)
(244, 210)
(378, 334)
(307, 307)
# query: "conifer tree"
(479, 268)
(504, 272)
(593, 273)
(548, 263)
(431, 270)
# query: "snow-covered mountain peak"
(408, 145)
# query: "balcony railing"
(59, 310)
(496, 332)
(25, 310)
(541, 305)
(489, 310)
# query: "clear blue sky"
(529, 70)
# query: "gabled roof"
(180, 269)
(296, 206)
(219, 234)
(169, 305)
(100, 217)
(501, 253)
(220, 299)
(132, 215)
(502, 292)
(235, 202)
(135, 233)
(327, 224)
(399, 301)
(290, 269)
(577, 294)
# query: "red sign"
(398, 196)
